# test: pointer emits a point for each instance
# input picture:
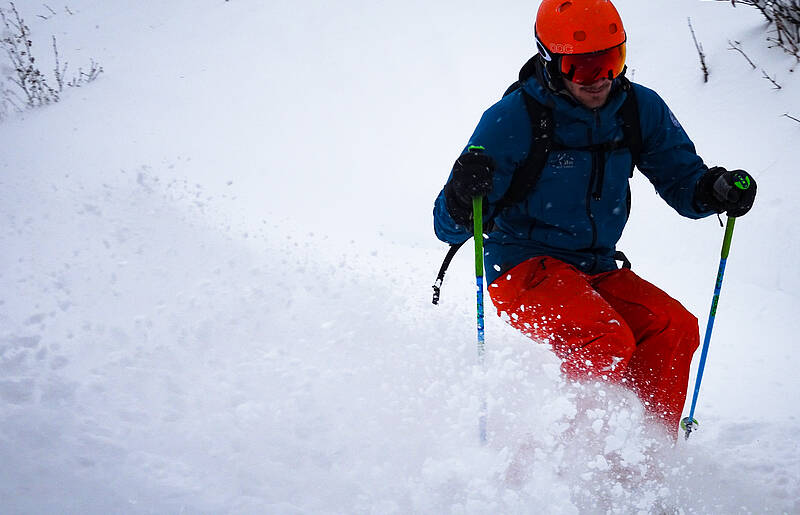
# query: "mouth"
(594, 90)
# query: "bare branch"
(777, 86)
(700, 52)
(52, 13)
(58, 71)
(785, 15)
(791, 117)
(735, 45)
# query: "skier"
(550, 254)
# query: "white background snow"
(215, 270)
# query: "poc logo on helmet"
(561, 48)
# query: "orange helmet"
(578, 26)
(567, 30)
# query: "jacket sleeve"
(668, 159)
(505, 132)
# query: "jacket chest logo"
(562, 161)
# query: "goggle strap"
(570, 74)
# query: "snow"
(216, 267)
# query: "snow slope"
(216, 266)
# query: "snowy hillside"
(215, 270)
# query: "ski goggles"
(586, 69)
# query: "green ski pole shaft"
(477, 216)
(689, 422)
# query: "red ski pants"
(612, 326)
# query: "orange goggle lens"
(589, 68)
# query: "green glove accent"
(743, 183)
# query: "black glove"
(472, 177)
(721, 190)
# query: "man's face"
(591, 95)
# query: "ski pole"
(688, 423)
(477, 216)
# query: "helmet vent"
(579, 35)
(613, 29)
(563, 7)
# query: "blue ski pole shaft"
(688, 422)
(477, 216)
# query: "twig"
(700, 52)
(86, 77)
(52, 13)
(777, 86)
(791, 117)
(66, 8)
(59, 72)
(735, 45)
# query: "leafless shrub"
(15, 39)
(785, 16)
(85, 77)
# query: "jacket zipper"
(589, 192)
(598, 162)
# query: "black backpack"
(530, 169)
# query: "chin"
(594, 104)
(600, 98)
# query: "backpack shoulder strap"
(527, 71)
(631, 126)
(512, 88)
(529, 170)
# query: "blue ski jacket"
(575, 213)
